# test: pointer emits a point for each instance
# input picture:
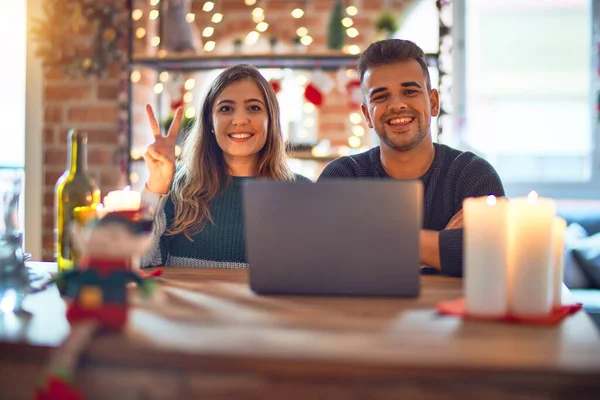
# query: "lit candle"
(485, 255)
(530, 255)
(558, 252)
(121, 200)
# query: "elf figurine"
(97, 287)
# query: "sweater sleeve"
(478, 178)
(158, 251)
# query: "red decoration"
(458, 307)
(319, 86)
(276, 85)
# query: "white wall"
(34, 140)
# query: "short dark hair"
(391, 50)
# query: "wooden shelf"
(193, 62)
(307, 155)
(298, 155)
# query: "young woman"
(198, 219)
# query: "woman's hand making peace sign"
(160, 155)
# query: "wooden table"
(206, 335)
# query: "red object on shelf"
(458, 307)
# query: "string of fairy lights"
(258, 14)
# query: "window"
(12, 81)
(528, 104)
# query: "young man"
(399, 103)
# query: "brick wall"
(93, 105)
(98, 105)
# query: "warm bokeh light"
(347, 22)
(189, 84)
(358, 130)
(250, 2)
(297, 13)
(208, 6)
(158, 88)
(352, 11)
(154, 2)
(190, 112)
(210, 45)
(301, 79)
(262, 26)
(302, 31)
(257, 12)
(190, 17)
(164, 76)
(135, 76)
(355, 118)
(352, 32)
(252, 38)
(306, 40)
(308, 107)
(354, 141)
(153, 14)
(140, 33)
(208, 31)
(353, 49)
(188, 97)
(491, 200)
(137, 14)
(216, 18)
(155, 41)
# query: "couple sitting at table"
(198, 203)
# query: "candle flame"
(491, 200)
(532, 197)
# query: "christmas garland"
(80, 37)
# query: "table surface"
(201, 317)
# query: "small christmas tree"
(336, 29)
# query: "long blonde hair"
(202, 172)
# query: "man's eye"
(409, 92)
(380, 97)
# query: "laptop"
(334, 237)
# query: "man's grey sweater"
(452, 177)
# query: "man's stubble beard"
(421, 134)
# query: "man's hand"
(160, 155)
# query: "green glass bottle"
(74, 189)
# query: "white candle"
(530, 255)
(122, 200)
(558, 252)
(485, 252)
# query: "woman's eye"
(225, 109)
(255, 108)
